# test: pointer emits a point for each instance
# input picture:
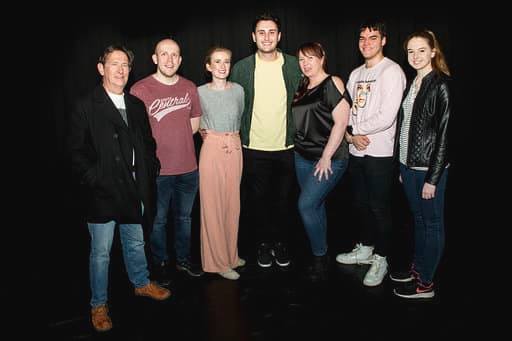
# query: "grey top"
(222, 109)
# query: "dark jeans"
(428, 221)
(178, 192)
(372, 180)
(267, 194)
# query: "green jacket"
(243, 74)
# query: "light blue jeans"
(132, 240)
(312, 199)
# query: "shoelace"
(358, 247)
(376, 263)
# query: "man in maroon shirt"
(174, 111)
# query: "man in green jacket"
(270, 79)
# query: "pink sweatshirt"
(376, 94)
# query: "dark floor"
(270, 304)
(265, 304)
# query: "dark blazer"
(428, 132)
(102, 150)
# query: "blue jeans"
(312, 199)
(179, 192)
(428, 221)
(132, 240)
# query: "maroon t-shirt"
(170, 108)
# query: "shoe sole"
(265, 265)
(401, 280)
(429, 294)
(154, 298)
(282, 264)
(364, 261)
(102, 330)
(375, 284)
(234, 278)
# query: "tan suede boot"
(100, 319)
(153, 291)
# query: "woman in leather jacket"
(421, 144)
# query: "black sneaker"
(192, 269)
(280, 252)
(161, 274)
(415, 289)
(265, 256)
(318, 269)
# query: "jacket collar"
(101, 97)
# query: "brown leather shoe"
(100, 319)
(153, 291)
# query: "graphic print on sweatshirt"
(363, 91)
(160, 107)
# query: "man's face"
(266, 36)
(371, 43)
(115, 71)
(167, 57)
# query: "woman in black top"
(320, 110)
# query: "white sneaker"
(230, 274)
(361, 254)
(377, 271)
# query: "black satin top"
(313, 120)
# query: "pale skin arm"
(194, 122)
(340, 116)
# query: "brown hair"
(309, 49)
(111, 48)
(438, 62)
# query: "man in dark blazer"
(113, 155)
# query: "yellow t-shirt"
(268, 123)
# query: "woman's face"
(420, 54)
(220, 64)
(310, 65)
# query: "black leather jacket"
(428, 133)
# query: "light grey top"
(222, 109)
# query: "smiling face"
(371, 45)
(219, 64)
(167, 57)
(266, 36)
(115, 71)
(310, 64)
(420, 54)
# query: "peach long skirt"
(220, 173)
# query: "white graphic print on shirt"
(163, 106)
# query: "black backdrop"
(72, 43)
